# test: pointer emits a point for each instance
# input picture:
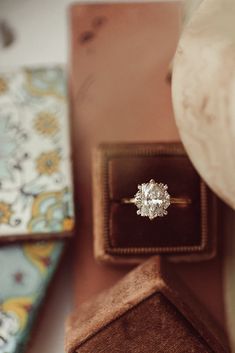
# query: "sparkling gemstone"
(152, 199)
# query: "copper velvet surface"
(120, 58)
(148, 311)
(154, 326)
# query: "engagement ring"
(152, 200)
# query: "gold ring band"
(174, 200)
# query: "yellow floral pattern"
(52, 213)
(39, 254)
(68, 224)
(46, 124)
(20, 306)
(48, 163)
(26, 272)
(5, 213)
(35, 162)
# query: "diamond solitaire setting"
(152, 199)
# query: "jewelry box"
(186, 233)
(149, 310)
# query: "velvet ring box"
(121, 236)
(147, 311)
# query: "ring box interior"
(147, 311)
(185, 233)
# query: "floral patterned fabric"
(35, 194)
(25, 273)
(35, 163)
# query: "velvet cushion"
(181, 227)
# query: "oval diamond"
(152, 199)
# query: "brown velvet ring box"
(120, 235)
(147, 311)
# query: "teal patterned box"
(26, 271)
(36, 193)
